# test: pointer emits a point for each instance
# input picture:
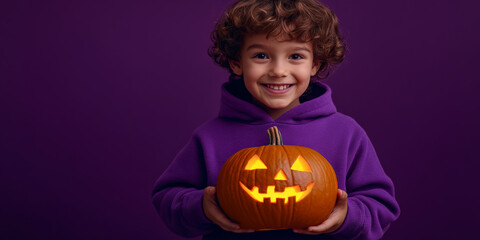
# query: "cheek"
(252, 78)
(303, 72)
(253, 72)
(303, 78)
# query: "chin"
(278, 106)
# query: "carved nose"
(280, 175)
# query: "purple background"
(97, 97)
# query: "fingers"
(215, 214)
(334, 221)
(243, 231)
(325, 227)
(304, 231)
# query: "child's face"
(275, 72)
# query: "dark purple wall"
(97, 97)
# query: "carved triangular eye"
(255, 163)
(301, 165)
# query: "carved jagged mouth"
(293, 191)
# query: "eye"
(255, 163)
(301, 165)
(296, 56)
(260, 56)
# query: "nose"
(278, 69)
(280, 175)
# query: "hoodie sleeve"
(371, 199)
(178, 193)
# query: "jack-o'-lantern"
(277, 186)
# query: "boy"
(276, 51)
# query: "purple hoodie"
(314, 123)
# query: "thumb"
(210, 191)
(341, 195)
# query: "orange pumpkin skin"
(276, 211)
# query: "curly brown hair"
(301, 20)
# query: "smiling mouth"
(293, 191)
(278, 86)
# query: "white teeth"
(278, 87)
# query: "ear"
(316, 65)
(235, 66)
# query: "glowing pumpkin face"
(296, 192)
(277, 186)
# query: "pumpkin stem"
(274, 136)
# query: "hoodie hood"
(237, 105)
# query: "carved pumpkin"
(277, 186)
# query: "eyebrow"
(255, 46)
(302, 48)
(263, 46)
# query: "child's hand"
(334, 221)
(215, 214)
